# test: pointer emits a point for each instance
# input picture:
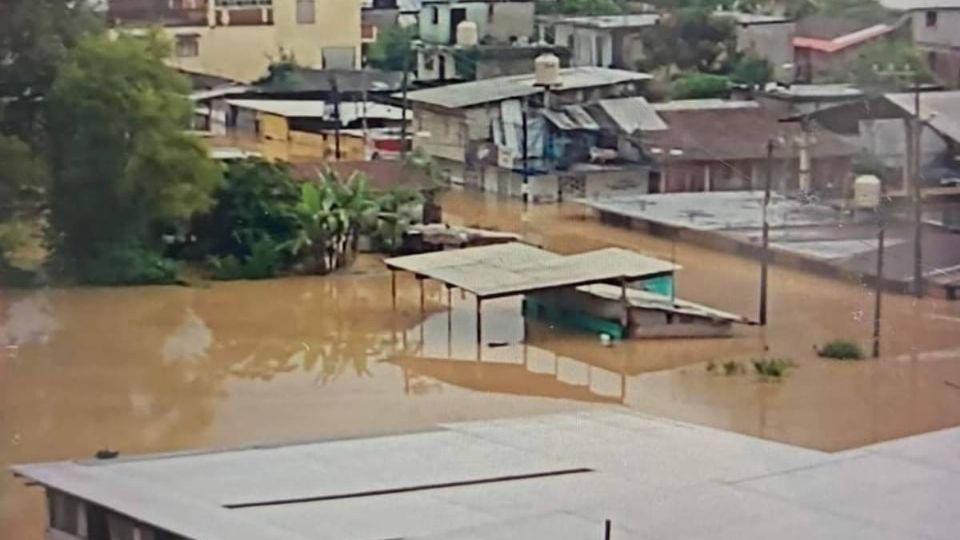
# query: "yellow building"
(238, 39)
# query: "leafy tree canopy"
(582, 7)
(35, 37)
(701, 86)
(392, 51)
(753, 70)
(123, 167)
(691, 39)
(886, 66)
(23, 177)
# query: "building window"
(64, 512)
(338, 57)
(435, 15)
(931, 18)
(306, 12)
(932, 60)
(187, 46)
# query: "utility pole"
(336, 117)
(912, 144)
(765, 243)
(878, 285)
(366, 130)
(918, 288)
(403, 116)
(526, 155)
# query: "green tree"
(691, 40)
(701, 86)
(256, 201)
(391, 51)
(35, 37)
(332, 213)
(124, 169)
(23, 181)
(582, 7)
(753, 70)
(885, 66)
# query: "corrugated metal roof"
(703, 105)
(632, 114)
(571, 118)
(515, 268)
(649, 300)
(474, 93)
(939, 110)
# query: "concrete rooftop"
(813, 230)
(553, 477)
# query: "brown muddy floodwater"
(168, 368)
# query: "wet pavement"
(168, 368)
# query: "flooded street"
(168, 368)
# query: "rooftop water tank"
(546, 70)
(467, 34)
(866, 192)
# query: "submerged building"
(239, 39)
(613, 291)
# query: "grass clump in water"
(728, 368)
(774, 368)
(841, 349)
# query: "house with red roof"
(822, 48)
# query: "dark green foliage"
(841, 349)
(867, 12)
(391, 51)
(264, 261)
(582, 7)
(23, 178)
(127, 264)
(124, 169)
(691, 40)
(395, 218)
(772, 367)
(753, 70)
(885, 66)
(35, 37)
(256, 202)
(466, 63)
(732, 368)
(701, 86)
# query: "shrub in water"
(263, 262)
(128, 264)
(841, 349)
(772, 367)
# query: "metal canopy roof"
(515, 268)
(654, 301)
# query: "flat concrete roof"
(814, 230)
(516, 268)
(555, 476)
